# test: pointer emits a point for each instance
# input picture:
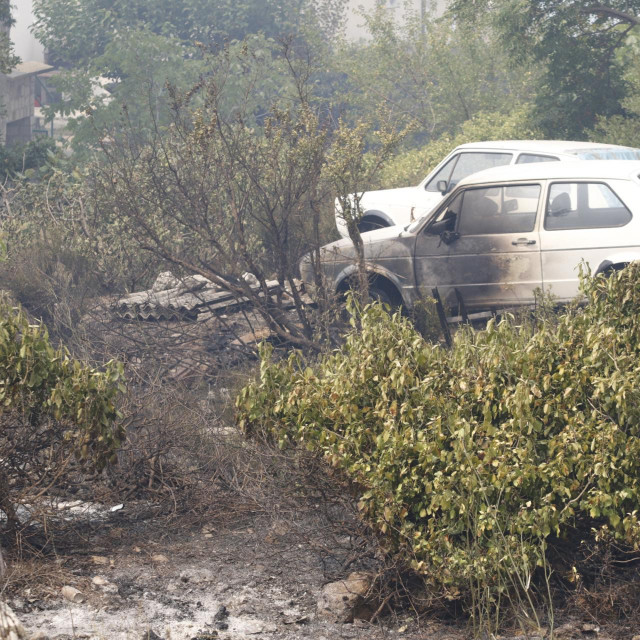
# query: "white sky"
(26, 46)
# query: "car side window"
(503, 209)
(528, 158)
(584, 205)
(464, 164)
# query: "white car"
(402, 206)
(500, 235)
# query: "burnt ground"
(254, 577)
(257, 577)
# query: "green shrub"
(21, 157)
(53, 410)
(470, 461)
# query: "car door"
(490, 252)
(583, 220)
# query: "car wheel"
(371, 224)
(611, 269)
(376, 294)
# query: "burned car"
(500, 235)
(402, 206)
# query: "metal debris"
(72, 594)
(165, 280)
(186, 299)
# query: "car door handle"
(522, 241)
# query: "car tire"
(611, 269)
(371, 225)
(376, 294)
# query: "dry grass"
(35, 578)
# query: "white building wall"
(25, 44)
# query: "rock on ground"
(344, 600)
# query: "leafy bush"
(470, 462)
(19, 158)
(53, 410)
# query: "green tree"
(115, 86)
(438, 73)
(75, 32)
(7, 59)
(253, 73)
(576, 42)
(19, 158)
(625, 129)
(102, 44)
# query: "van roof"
(548, 146)
(593, 169)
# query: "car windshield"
(612, 153)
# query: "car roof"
(548, 146)
(593, 169)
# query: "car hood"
(398, 196)
(376, 238)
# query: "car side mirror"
(442, 186)
(449, 237)
(447, 224)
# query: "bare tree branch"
(613, 13)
